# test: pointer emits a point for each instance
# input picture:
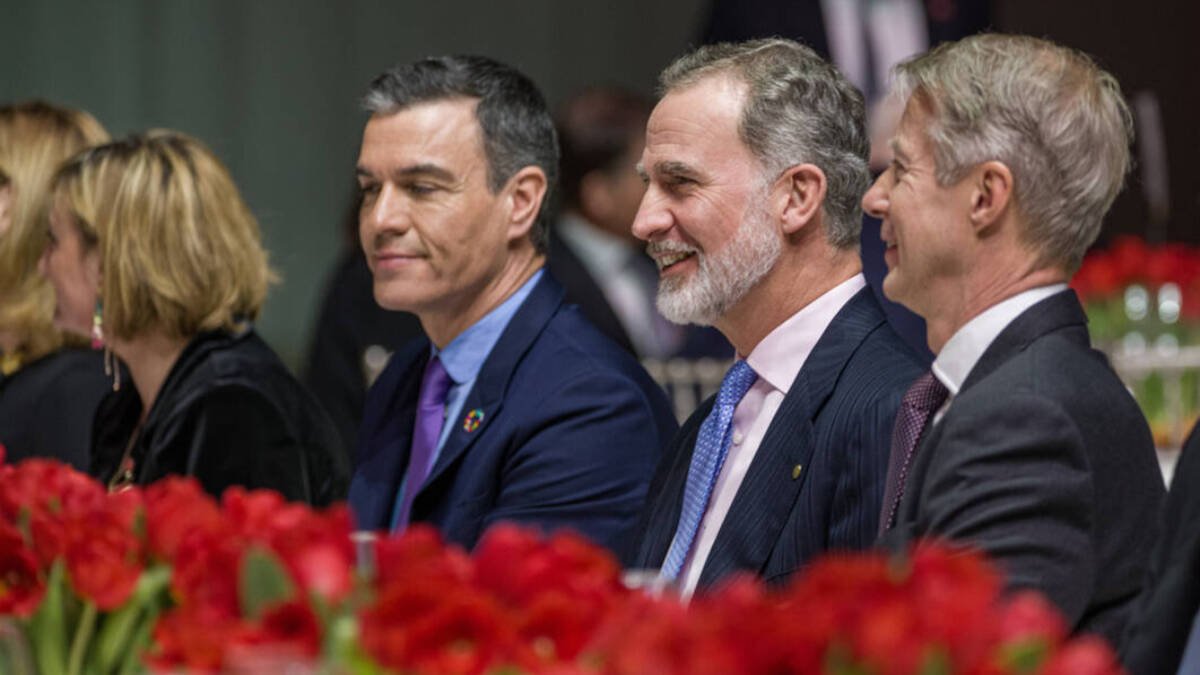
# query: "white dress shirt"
(963, 350)
(776, 360)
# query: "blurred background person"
(593, 253)
(50, 384)
(152, 233)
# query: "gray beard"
(724, 277)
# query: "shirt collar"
(964, 349)
(464, 356)
(777, 359)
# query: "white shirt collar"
(778, 357)
(963, 350)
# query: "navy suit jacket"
(835, 424)
(572, 428)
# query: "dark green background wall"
(272, 86)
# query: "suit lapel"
(377, 477)
(1057, 312)
(666, 492)
(1061, 310)
(484, 401)
(764, 502)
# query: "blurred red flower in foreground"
(253, 584)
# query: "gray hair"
(1047, 112)
(798, 109)
(515, 123)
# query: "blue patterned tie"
(711, 447)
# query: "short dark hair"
(512, 114)
(596, 127)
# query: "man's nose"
(653, 217)
(875, 202)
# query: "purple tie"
(431, 413)
(925, 395)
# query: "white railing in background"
(687, 382)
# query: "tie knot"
(435, 384)
(926, 393)
(737, 382)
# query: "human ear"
(525, 192)
(804, 188)
(991, 193)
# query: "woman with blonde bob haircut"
(154, 228)
(49, 388)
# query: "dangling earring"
(98, 326)
(111, 367)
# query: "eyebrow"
(431, 170)
(675, 168)
(898, 149)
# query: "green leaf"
(263, 582)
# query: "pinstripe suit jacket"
(835, 423)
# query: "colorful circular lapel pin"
(473, 419)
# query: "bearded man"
(755, 161)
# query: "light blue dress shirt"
(463, 358)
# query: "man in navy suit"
(755, 160)
(515, 408)
(1009, 153)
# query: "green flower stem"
(46, 626)
(83, 635)
(117, 635)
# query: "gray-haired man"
(1009, 153)
(755, 161)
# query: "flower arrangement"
(1144, 301)
(170, 580)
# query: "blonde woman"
(153, 230)
(49, 386)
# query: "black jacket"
(1044, 461)
(1162, 622)
(47, 407)
(229, 413)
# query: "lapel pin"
(796, 471)
(473, 419)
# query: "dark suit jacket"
(1044, 461)
(571, 430)
(1158, 630)
(835, 423)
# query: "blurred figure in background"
(50, 383)
(151, 235)
(593, 253)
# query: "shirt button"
(737, 437)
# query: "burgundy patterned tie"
(431, 410)
(925, 396)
